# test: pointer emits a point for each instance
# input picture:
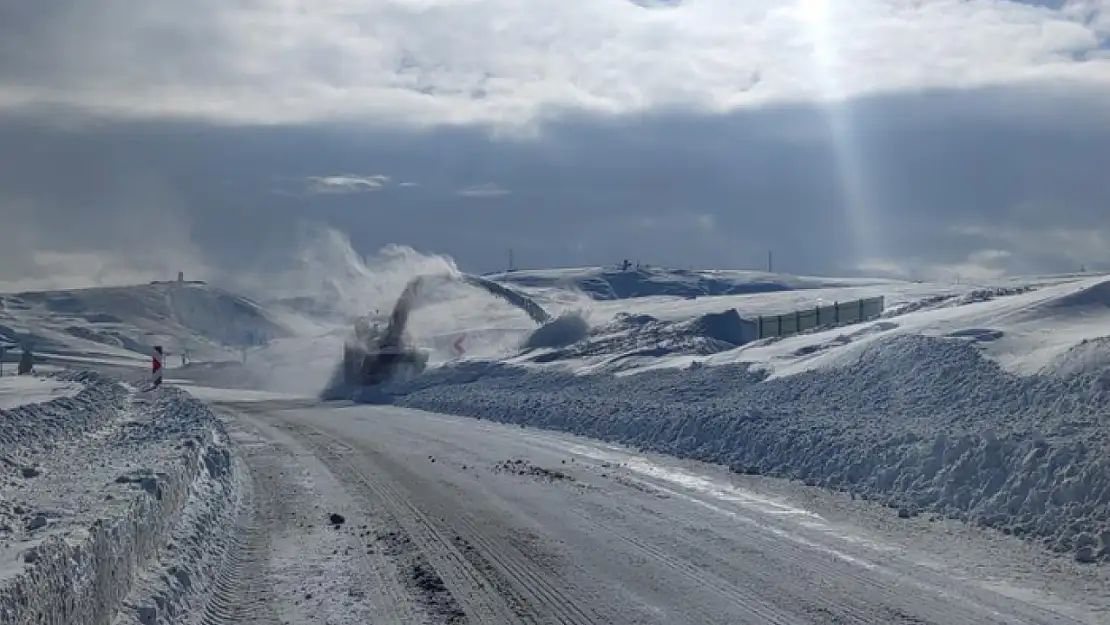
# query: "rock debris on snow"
(521, 467)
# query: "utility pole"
(770, 261)
(510, 259)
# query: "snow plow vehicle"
(374, 356)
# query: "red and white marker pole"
(156, 367)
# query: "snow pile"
(632, 339)
(1088, 355)
(926, 424)
(200, 544)
(564, 330)
(90, 487)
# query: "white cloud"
(979, 266)
(346, 183)
(1060, 243)
(483, 190)
(880, 267)
(505, 62)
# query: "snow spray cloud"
(328, 277)
(328, 284)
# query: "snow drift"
(629, 340)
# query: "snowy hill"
(122, 323)
(609, 283)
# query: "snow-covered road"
(449, 520)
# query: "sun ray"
(820, 19)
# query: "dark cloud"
(1011, 179)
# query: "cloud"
(935, 180)
(347, 183)
(93, 228)
(505, 63)
(483, 190)
(979, 266)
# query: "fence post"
(836, 313)
(156, 367)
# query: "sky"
(920, 139)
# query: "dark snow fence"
(808, 319)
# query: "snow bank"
(925, 424)
(631, 341)
(90, 486)
(566, 329)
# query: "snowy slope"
(122, 323)
(652, 332)
(609, 283)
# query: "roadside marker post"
(156, 367)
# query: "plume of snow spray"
(330, 285)
(327, 270)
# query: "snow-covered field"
(988, 403)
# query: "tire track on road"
(494, 581)
(281, 507)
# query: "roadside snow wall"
(922, 424)
(89, 486)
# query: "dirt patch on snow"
(519, 466)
